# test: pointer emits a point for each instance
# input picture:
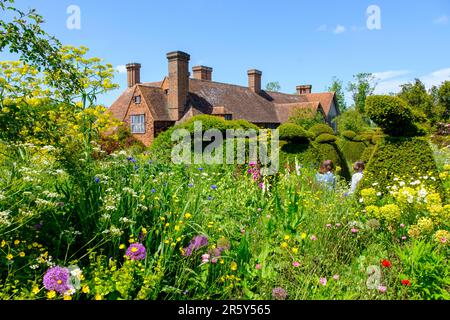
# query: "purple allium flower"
(196, 243)
(96, 179)
(200, 169)
(57, 279)
(131, 159)
(279, 294)
(323, 281)
(214, 187)
(136, 251)
(153, 191)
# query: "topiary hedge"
(326, 138)
(391, 114)
(348, 134)
(352, 150)
(305, 153)
(319, 129)
(401, 158)
(292, 132)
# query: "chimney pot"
(133, 74)
(254, 80)
(202, 73)
(304, 89)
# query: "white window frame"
(137, 99)
(137, 122)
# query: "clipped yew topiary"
(326, 138)
(294, 133)
(319, 129)
(392, 114)
(401, 159)
(400, 155)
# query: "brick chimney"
(178, 82)
(202, 73)
(133, 74)
(304, 89)
(254, 80)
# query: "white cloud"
(390, 81)
(385, 75)
(436, 78)
(121, 68)
(322, 28)
(442, 20)
(339, 29)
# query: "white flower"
(76, 273)
(379, 194)
(401, 183)
(375, 184)
(2, 196)
(4, 217)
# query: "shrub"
(292, 132)
(319, 129)
(367, 154)
(392, 114)
(348, 134)
(398, 158)
(208, 122)
(305, 153)
(352, 150)
(326, 138)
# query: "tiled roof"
(208, 97)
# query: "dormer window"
(137, 99)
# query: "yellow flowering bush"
(390, 213)
(425, 225)
(369, 196)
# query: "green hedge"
(391, 114)
(292, 132)
(397, 157)
(352, 150)
(348, 134)
(326, 138)
(367, 154)
(319, 129)
(305, 153)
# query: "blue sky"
(292, 42)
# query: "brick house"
(151, 107)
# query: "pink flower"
(402, 225)
(259, 209)
(313, 238)
(296, 264)
(336, 277)
(243, 231)
(354, 230)
(205, 258)
(258, 266)
(443, 240)
(214, 260)
(382, 289)
(338, 225)
(404, 237)
(268, 216)
(323, 281)
(329, 226)
(261, 185)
